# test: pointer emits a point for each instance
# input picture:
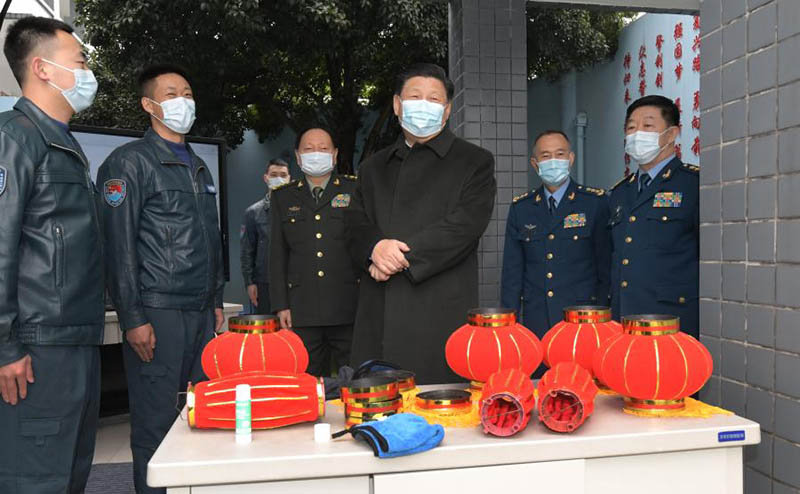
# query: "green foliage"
(268, 64)
(262, 64)
(560, 40)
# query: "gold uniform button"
(625, 262)
(320, 273)
(317, 217)
(574, 237)
(624, 284)
(291, 220)
(551, 236)
(319, 235)
(319, 254)
(681, 300)
(664, 218)
(632, 218)
(290, 285)
(549, 255)
(628, 240)
(549, 276)
(550, 293)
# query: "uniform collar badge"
(530, 227)
(115, 191)
(294, 209)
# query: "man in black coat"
(418, 212)
(313, 284)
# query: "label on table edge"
(727, 436)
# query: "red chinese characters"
(678, 50)
(659, 41)
(678, 71)
(627, 79)
(696, 105)
(626, 61)
(678, 34)
(642, 87)
(696, 122)
(627, 97)
(660, 60)
(696, 146)
(696, 63)
(660, 79)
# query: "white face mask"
(178, 113)
(316, 164)
(422, 118)
(643, 146)
(553, 172)
(81, 95)
(275, 182)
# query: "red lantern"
(507, 403)
(566, 397)
(652, 364)
(254, 343)
(277, 399)
(579, 335)
(491, 341)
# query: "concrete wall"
(750, 226)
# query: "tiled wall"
(750, 226)
(488, 57)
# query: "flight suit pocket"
(42, 450)
(58, 261)
(38, 430)
(152, 372)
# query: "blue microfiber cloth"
(398, 435)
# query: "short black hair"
(149, 74)
(24, 36)
(549, 132)
(669, 110)
(425, 70)
(312, 127)
(277, 162)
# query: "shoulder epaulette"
(283, 186)
(520, 197)
(622, 181)
(592, 191)
(691, 168)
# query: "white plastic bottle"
(244, 433)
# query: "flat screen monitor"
(99, 142)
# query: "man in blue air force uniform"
(655, 220)
(557, 247)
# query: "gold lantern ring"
(321, 396)
(492, 317)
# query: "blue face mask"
(554, 172)
(422, 118)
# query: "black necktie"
(644, 181)
(317, 193)
(552, 201)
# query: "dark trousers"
(153, 387)
(263, 306)
(47, 439)
(328, 347)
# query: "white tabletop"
(200, 457)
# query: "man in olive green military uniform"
(313, 284)
(51, 268)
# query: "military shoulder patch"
(3, 179)
(622, 181)
(691, 168)
(115, 191)
(283, 186)
(520, 197)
